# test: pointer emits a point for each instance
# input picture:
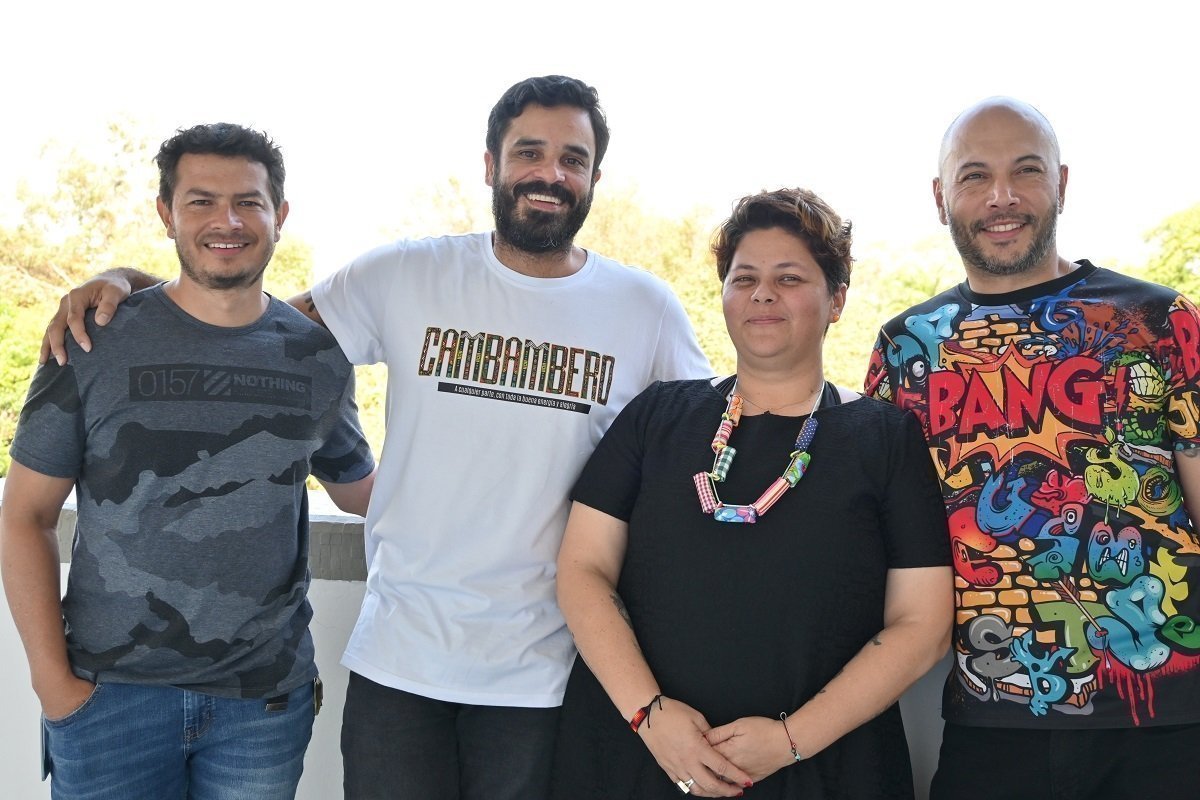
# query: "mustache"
(555, 190)
(1000, 219)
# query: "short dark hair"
(221, 139)
(801, 213)
(548, 91)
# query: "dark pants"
(402, 746)
(1089, 764)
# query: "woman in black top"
(754, 645)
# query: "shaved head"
(992, 106)
(1000, 187)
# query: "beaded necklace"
(706, 482)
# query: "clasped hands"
(722, 761)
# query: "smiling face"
(1000, 189)
(222, 220)
(542, 178)
(776, 300)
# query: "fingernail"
(60, 360)
(102, 318)
(748, 784)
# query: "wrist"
(791, 753)
(50, 681)
(641, 717)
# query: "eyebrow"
(744, 265)
(1020, 160)
(578, 150)
(205, 193)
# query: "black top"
(739, 620)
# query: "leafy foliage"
(100, 212)
(1177, 260)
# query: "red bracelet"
(643, 713)
(795, 753)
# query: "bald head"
(1000, 187)
(994, 108)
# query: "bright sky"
(374, 102)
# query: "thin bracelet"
(643, 714)
(795, 753)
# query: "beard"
(538, 231)
(966, 242)
(223, 281)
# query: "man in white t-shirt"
(508, 353)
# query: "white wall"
(335, 605)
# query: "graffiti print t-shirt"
(1054, 416)
(190, 445)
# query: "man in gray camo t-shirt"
(179, 661)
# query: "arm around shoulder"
(306, 305)
(104, 292)
(353, 497)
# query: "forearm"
(604, 635)
(29, 562)
(869, 683)
(354, 497)
(1187, 469)
(136, 279)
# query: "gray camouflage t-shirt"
(190, 445)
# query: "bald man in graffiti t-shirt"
(1061, 402)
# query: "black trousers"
(1088, 764)
(401, 746)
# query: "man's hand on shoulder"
(104, 293)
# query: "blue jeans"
(401, 746)
(129, 742)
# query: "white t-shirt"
(499, 387)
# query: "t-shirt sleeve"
(876, 383)
(678, 355)
(354, 303)
(1183, 366)
(50, 435)
(612, 478)
(914, 512)
(345, 456)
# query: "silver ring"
(685, 786)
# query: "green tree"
(98, 212)
(675, 249)
(1176, 263)
(884, 282)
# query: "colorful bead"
(722, 463)
(708, 499)
(771, 495)
(746, 514)
(807, 431)
(722, 437)
(797, 468)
